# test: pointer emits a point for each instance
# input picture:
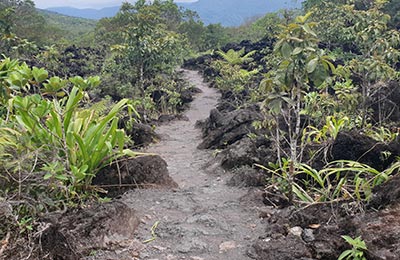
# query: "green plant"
(339, 180)
(233, 57)
(301, 62)
(87, 142)
(381, 134)
(53, 143)
(357, 251)
(330, 130)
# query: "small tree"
(302, 66)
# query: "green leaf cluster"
(53, 142)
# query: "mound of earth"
(315, 232)
(357, 147)
(80, 233)
(246, 176)
(130, 173)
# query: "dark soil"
(314, 232)
(79, 233)
(130, 173)
(357, 147)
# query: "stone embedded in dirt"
(308, 235)
(144, 171)
(226, 246)
(76, 234)
(221, 130)
(296, 231)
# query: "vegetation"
(330, 68)
(53, 142)
(322, 77)
(357, 251)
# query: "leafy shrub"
(53, 142)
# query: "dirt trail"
(204, 218)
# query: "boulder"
(221, 130)
(248, 152)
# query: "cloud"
(84, 3)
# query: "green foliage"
(233, 57)
(73, 29)
(232, 76)
(53, 143)
(257, 29)
(357, 251)
(337, 181)
(329, 131)
(214, 37)
(146, 49)
(368, 45)
(301, 64)
(382, 134)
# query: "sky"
(84, 3)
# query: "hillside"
(72, 26)
(226, 12)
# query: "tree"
(149, 46)
(360, 34)
(302, 66)
(214, 37)
(193, 28)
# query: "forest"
(151, 135)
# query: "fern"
(236, 57)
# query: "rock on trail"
(203, 218)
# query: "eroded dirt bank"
(203, 218)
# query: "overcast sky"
(85, 3)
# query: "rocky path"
(203, 218)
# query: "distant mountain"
(226, 12)
(88, 13)
(236, 12)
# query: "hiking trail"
(204, 219)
